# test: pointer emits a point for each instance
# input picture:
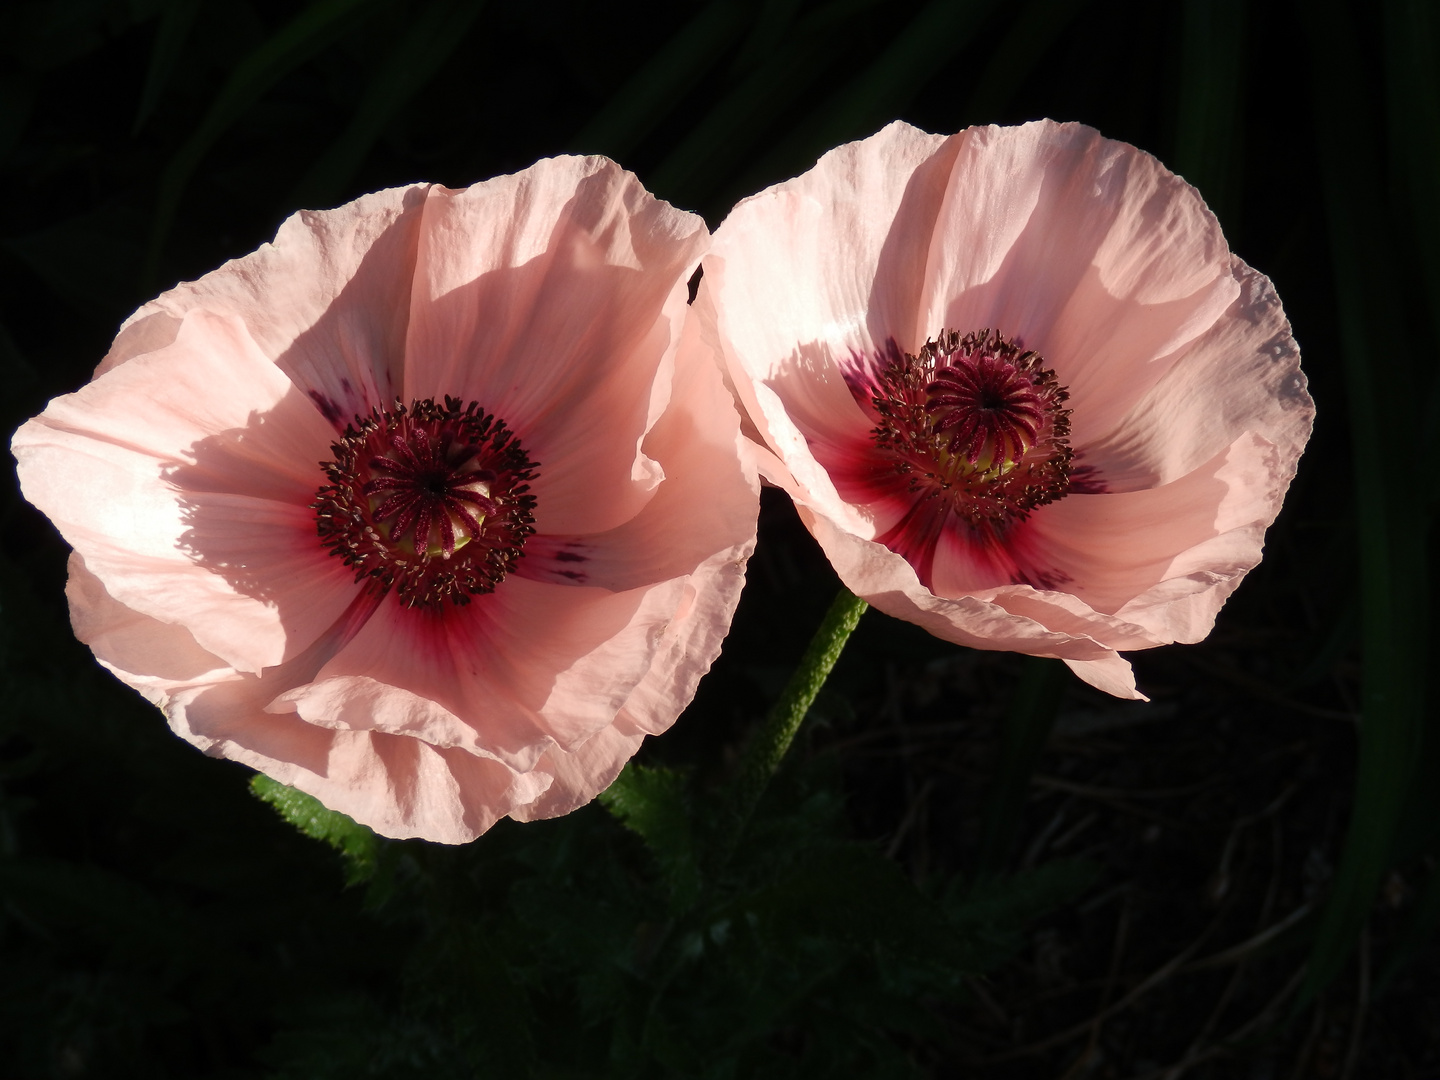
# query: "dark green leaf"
(175, 24)
(880, 93)
(1016, 57)
(992, 913)
(357, 843)
(851, 893)
(1413, 115)
(1393, 588)
(654, 91)
(431, 39)
(768, 745)
(767, 31)
(696, 168)
(1211, 84)
(298, 40)
(653, 803)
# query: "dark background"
(1235, 880)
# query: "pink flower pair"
(440, 503)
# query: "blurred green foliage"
(358, 845)
(806, 939)
(156, 920)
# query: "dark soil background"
(1176, 899)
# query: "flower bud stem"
(767, 748)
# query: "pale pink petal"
(148, 330)
(814, 271)
(689, 645)
(1087, 250)
(690, 641)
(1065, 613)
(537, 295)
(1142, 568)
(786, 457)
(578, 775)
(210, 394)
(1187, 408)
(1199, 534)
(708, 502)
(182, 477)
(889, 583)
(396, 785)
(1113, 675)
(835, 257)
(186, 477)
(588, 648)
(1243, 374)
(399, 786)
(504, 676)
(124, 639)
(327, 301)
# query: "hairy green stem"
(767, 749)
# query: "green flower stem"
(767, 749)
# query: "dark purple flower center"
(430, 500)
(974, 422)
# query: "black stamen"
(431, 501)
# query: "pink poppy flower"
(1016, 384)
(421, 508)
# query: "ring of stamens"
(430, 500)
(974, 421)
